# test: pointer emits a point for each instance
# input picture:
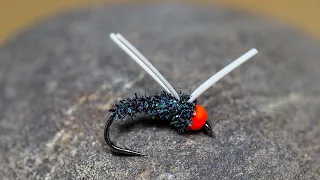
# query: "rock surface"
(59, 78)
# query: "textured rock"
(59, 78)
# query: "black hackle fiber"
(161, 106)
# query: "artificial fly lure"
(180, 110)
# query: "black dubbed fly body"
(181, 111)
(161, 106)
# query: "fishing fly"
(180, 110)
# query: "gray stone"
(59, 77)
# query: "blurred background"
(302, 14)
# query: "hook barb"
(113, 147)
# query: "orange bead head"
(199, 119)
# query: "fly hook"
(180, 110)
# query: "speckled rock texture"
(59, 78)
